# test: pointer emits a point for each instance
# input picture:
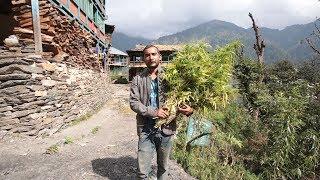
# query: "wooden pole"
(36, 26)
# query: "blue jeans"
(147, 145)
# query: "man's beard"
(153, 65)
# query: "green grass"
(80, 119)
(95, 130)
(68, 140)
(53, 149)
(86, 116)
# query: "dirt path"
(103, 147)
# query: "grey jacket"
(140, 101)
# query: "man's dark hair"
(150, 46)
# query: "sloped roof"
(161, 47)
(116, 51)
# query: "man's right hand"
(162, 113)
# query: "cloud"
(155, 18)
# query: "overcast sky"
(154, 18)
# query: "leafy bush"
(282, 144)
(200, 78)
(119, 75)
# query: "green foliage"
(310, 70)
(80, 119)
(52, 149)
(87, 115)
(283, 120)
(280, 75)
(282, 144)
(68, 140)
(283, 129)
(201, 78)
(220, 159)
(95, 130)
(248, 74)
(119, 75)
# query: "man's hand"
(162, 113)
(186, 110)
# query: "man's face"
(152, 57)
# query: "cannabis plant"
(200, 78)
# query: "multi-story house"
(17, 17)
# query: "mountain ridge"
(280, 44)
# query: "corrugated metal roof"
(161, 47)
(116, 51)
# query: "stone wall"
(38, 97)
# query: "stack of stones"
(38, 97)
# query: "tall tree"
(259, 47)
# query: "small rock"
(12, 100)
(46, 107)
(11, 83)
(11, 41)
(37, 115)
(30, 122)
(56, 113)
(6, 122)
(14, 77)
(48, 66)
(69, 81)
(30, 105)
(58, 105)
(34, 56)
(18, 114)
(36, 87)
(19, 89)
(7, 108)
(48, 83)
(82, 144)
(40, 93)
(47, 121)
(8, 127)
(63, 87)
(37, 76)
(26, 69)
(21, 129)
(26, 96)
(7, 113)
(6, 62)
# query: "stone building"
(41, 92)
(61, 22)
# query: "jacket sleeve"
(135, 103)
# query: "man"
(146, 99)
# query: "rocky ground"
(102, 147)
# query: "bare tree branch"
(313, 47)
(317, 31)
(316, 26)
(259, 45)
(313, 37)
